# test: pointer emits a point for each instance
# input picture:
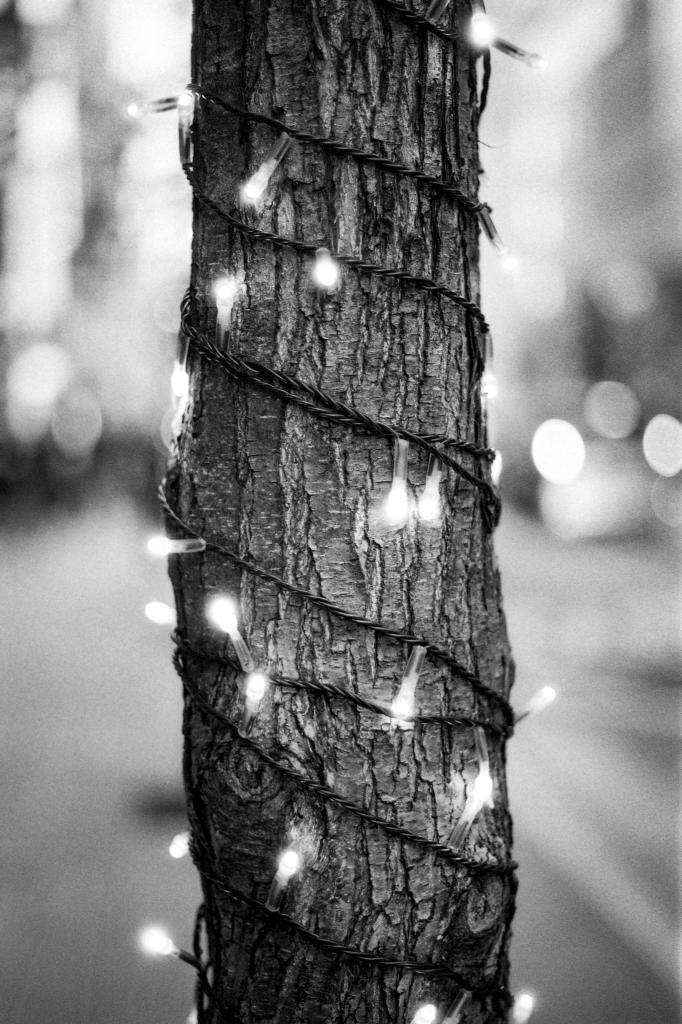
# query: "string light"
(396, 505)
(156, 942)
(140, 109)
(541, 700)
(254, 690)
(496, 468)
(179, 845)
(186, 103)
(222, 612)
(160, 613)
(426, 1014)
(454, 1014)
(402, 707)
(225, 290)
(179, 382)
(326, 272)
(480, 793)
(288, 865)
(253, 189)
(161, 546)
(508, 261)
(482, 35)
(428, 506)
(524, 1004)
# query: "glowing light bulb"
(222, 612)
(402, 706)
(508, 261)
(255, 687)
(140, 109)
(179, 381)
(160, 613)
(186, 102)
(156, 942)
(541, 700)
(288, 865)
(396, 505)
(161, 546)
(489, 388)
(179, 845)
(254, 188)
(524, 1004)
(479, 793)
(428, 505)
(454, 1014)
(481, 31)
(426, 1014)
(225, 290)
(326, 272)
(436, 8)
(496, 468)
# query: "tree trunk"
(300, 498)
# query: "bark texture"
(302, 500)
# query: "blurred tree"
(301, 500)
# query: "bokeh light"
(666, 501)
(36, 378)
(662, 444)
(558, 451)
(612, 409)
(77, 423)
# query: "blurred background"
(583, 168)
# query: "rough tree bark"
(301, 499)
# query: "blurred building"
(584, 171)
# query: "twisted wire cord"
(415, 18)
(341, 414)
(331, 690)
(421, 283)
(329, 795)
(349, 952)
(333, 145)
(318, 600)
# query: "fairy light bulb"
(255, 687)
(428, 506)
(155, 941)
(253, 189)
(426, 1014)
(481, 31)
(326, 272)
(508, 261)
(524, 1004)
(396, 506)
(479, 793)
(482, 35)
(289, 864)
(186, 101)
(222, 612)
(161, 546)
(402, 706)
(455, 1011)
(436, 8)
(160, 613)
(541, 700)
(141, 108)
(225, 290)
(179, 845)
(179, 381)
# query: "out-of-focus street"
(91, 783)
